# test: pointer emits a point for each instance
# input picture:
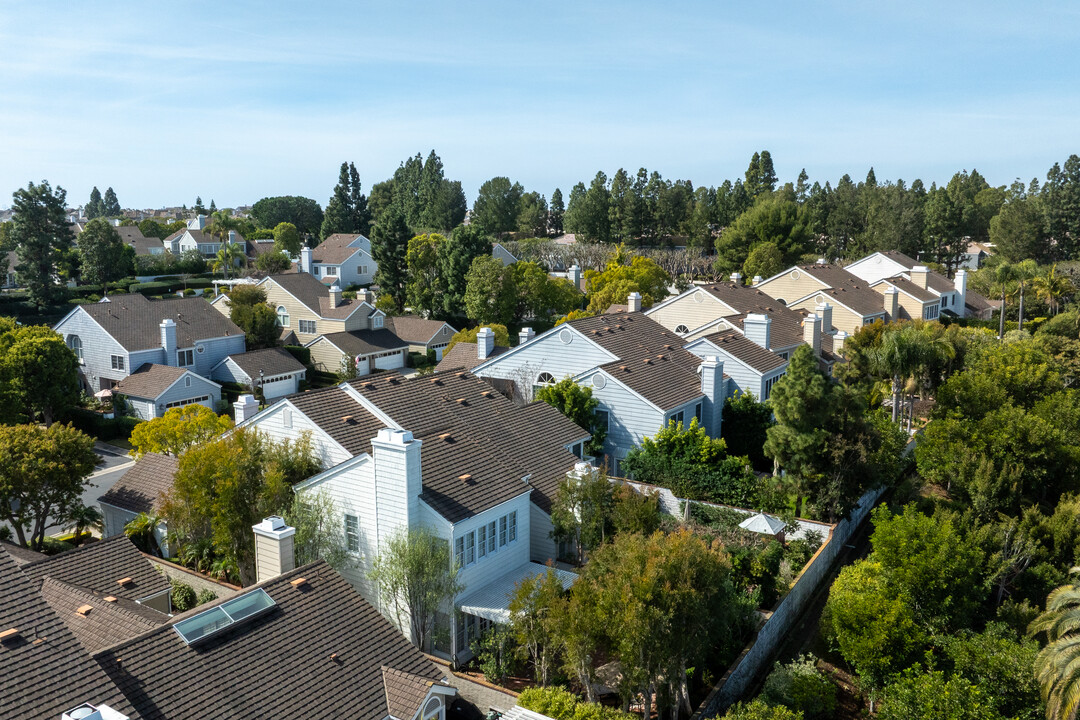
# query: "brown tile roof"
(415, 330)
(97, 622)
(46, 672)
(404, 692)
(785, 329)
(315, 296)
(335, 249)
(134, 321)
(365, 342)
(99, 565)
(317, 654)
(851, 291)
(977, 302)
(140, 489)
(463, 357)
(935, 281)
(902, 283)
(150, 380)
(21, 555)
(271, 361)
(651, 360)
(748, 351)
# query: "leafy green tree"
(102, 253)
(532, 605)
(577, 403)
(497, 205)
(273, 263)
(574, 219)
(112, 206)
(415, 579)
(95, 208)
(465, 244)
(774, 218)
(1018, 231)
(532, 217)
(930, 694)
(304, 214)
(618, 280)
(43, 473)
(556, 211)
(178, 430)
(40, 372)
(389, 249)
(1001, 664)
(41, 234)
(318, 536)
(248, 309)
(537, 295)
(81, 517)
(287, 238)
(759, 710)
(142, 531)
(800, 686)
(765, 259)
(423, 292)
(582, 510)
(490, 293)
(561, 704)
(468, 335)
(152, 228)
(745, 424)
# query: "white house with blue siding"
(637, 369)
(153, 390)
(443, 452)
(750, 367)
(120, 334)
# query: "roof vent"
(298, 582)
(623, 367)
(9, 634)
(368, 385)
(462, 401)
(487, 394)
(667, 347)
(446, 436)
(459, 375)
(347, 419)
(84, 610)
(122, 582)
(648, 361)
(660, 356)
(110, 598)
(466, 478)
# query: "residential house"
(422, 334)
(852, 301)
(140, 490)
(273, 370)
(502, 254)
(311, 309)
(956, 298)
(369, 350)
(122, 333)
(466, 356)
(443, 452)
(195, 237)
(153, 389)
(10, 280)
(750, 367)
(133, 237)
(638, 370)
(342, 258)
(913, 300)
(976, 255)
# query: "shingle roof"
(99, 565)
(318, 653)
(21, 555)
(415, 330)
(134, 321)
(315, 296)
(977, 302)
(748, 351)
(271, 361)
(335, 249)
(847, 289)
(101, 622)
(150, 380)
(139, 490)
(131, 235)
(463, 357)
(905, 285)
(934, 280)
(404, 692)
(365, 342)
(46, 672)
(785, 329)
(651, 360)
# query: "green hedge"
(170, 285)
(98, 426)
(561, 704)
(301, 353)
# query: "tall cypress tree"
(466, 243)
(389, 248)
(555, 213)
(95, 208)
(41, 234)
(361, 216)
(431, 181)
(112, 205)
(338, 217)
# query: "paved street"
(112, 466)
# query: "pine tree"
(760, 175)
(801, 188)
(213, 206)
(466, 243)
(95, 208)
(555, 213)
(389, 249)
(361, 216)
(198, 209)
(41, 233)
(338, 217)
(431, 182)
(111, 205)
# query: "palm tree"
(142, 531)
(1003, 279)
(80, 517)
(1057, 667)
(1051, 287)
(1023, 272)
(220, 227)
(226, 258)
(896, 358)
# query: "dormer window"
(376, 322)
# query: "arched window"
(682, 329)
(282, 316)
(545, 378)
(431, 710)
(75, 343)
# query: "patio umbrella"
(103, 394)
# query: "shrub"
(758, 710)
(800, 686)
(183, 596)
(302, 354)
(205, 596)
(561, 704)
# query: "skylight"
(205, 624)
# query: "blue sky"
(239, 100)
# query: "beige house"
(914, 300)
(371, 350)
(852, 302)
(310, 309)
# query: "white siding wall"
(272, 423)
(874, 268)
(199, 387)
(547, 353)
(505, 559)
(115, 519)
(214, 351)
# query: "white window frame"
(283, 316)
(352, 532)
(470, 547)
(118, 362)
(459, 552)
(512, 522)
(502, 531)
(310, 324)
(481, 542)
(75, 343)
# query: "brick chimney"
(274, 553)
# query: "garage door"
(279, 388)
(390, 361)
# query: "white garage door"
(279, 388)
(390, 361)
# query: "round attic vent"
(599, 381)
(567, 337)
(794, 274)
(200, 349)
(699, 297)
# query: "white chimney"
(485, 343)
(822, 261)
(758, 327)
(757, 280)
(335, 295)
(919, 274)
(168, 340)
(525, 335)
(244, 407)
(736, 277)
(812, 333)
(232, 236)
(892, 303)
(824, 311)
(633, 302)
(713, 388)
(838, 341)
(960, 283)
(305, 259)
(397, 481)
(574, 275)
(274, 553)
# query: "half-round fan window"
(545, 378)
(682, 329)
